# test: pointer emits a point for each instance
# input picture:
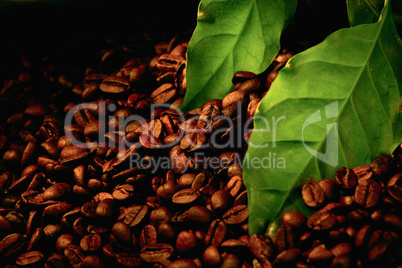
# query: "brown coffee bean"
(382, 165)
(106, 208)
(164, 94)
(56, 191)
(123, 192)
(367, 193)
(74, 254)
(233, 98)
(182, 263)
(72, 154)
(345, 178)
(195, 214)
(185, 196)
(92, 261)
(216, 233)
(211, 256)
(186, 241)
(156, 252)
(148, 235)
(293, 219)
(284, 238)
(242, 76)
(321, 220)
(261, 246)
(320, 255)
(234, 186)
(63, 241)
(221, 200)
(313, 195)
(236, 215)
(160, 215)
(363, 172)
(288, 256)
(169, 62)
(114, 84)
(122, 233)
(30, 258)
(362, 236)
(91, 243)
(134, 215)
(394, 186)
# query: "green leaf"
(335, 104)
(364, 11)
(232, 36)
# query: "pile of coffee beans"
(357, 220)
(100, 167)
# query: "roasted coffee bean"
(322, 220)
(63, 241)
(284, 238)
(91, 243)
(156, 252)
(72, 154)
(196, 214)
(236, 215)
(211, 256)
(221, 200)
(261, 246)
(183, 263)
(394, 186)
(114, 84)
(288, 257)
(134, 215)
(313, 195)
(346, 178)
(216, 233)
(293, 219)
(320, 256)
(30, 258)
(122, 233)
(148, 235)
(186, 241)
(367, 193)
(382, 165)
(74, 254)
(185, 196)
(234, 98)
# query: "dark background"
(75, 26)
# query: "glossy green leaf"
(335, 104)
(232, 36)
(364, 11)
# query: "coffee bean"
(156, 252)
(236, 215)
(114, 84)
(394, 186)
(233, 98)
(148, 235)
(30, 258)
(134, 215)
(346, 178)
(185, 196)
(367, 193)
(261, 246)
(186, 241)
(284, 238)
(216, 233)
(91, 243)
(313, 195)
